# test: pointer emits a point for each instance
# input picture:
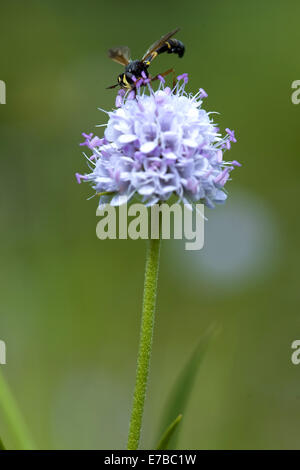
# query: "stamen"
(203, 93)
(230, 134)
(184, 77)
(79, 177)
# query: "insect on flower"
(157, 144)
(137, 69)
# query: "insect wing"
(120, 55)
(160, 43)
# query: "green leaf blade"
(180, 394)
(166, 437)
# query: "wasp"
(135, 69)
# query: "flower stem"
(13, 417)
(145, 346)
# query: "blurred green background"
(70, 303)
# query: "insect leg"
(112, 86)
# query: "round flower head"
(160, 143)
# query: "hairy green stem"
(13, 417)
(145, 346)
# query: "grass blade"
(180, 393)
(163, 443)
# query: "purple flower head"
(160, 143)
